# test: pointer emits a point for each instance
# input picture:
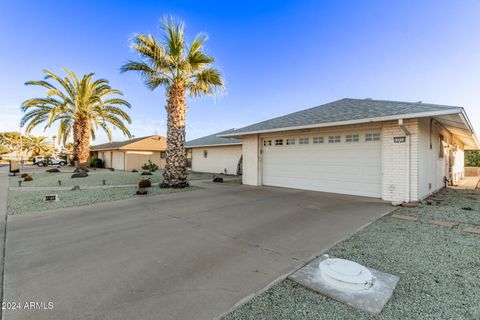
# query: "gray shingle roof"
(213, 140)
(345, 110)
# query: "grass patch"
(22, 202)
(438, 269)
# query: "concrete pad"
(189, 255)
(372, 300)
(403, 217)
(443, 224)
(472, 230)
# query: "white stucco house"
(396, 151)
(216, 154)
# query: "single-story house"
(131, 154)
(397, 151)
(216, 154)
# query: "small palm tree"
(80, 107)
(180, 69)
(37, 145)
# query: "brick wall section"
(395, 161)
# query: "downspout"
(408, 152)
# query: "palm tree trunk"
(81, 149)
(175, 175)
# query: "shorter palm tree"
(37, 146)
(80, 107)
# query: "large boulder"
(53, 170)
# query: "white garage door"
(118, 160)
(347, 163)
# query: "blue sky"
(277, 56)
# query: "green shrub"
(96, 163)
(150, 166)
(23, 175)
(472, 158)
(28, 178)
(145, 183)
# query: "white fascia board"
(467, 122)
(349, 122)
(215, 145)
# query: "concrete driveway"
(190, 255)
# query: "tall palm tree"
(37, 145)
(80, 107)
(180, 69)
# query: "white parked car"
(42, 162)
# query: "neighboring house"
(215, 154)
(131, 154)
(397, 151)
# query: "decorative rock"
(81, 174)
(217, 179)
(444, 224)
(146, 173)
(467, 208)
(142, 191)
(76, 188)
(397, 203)
(53, 170)
(403, 217)
(112, 169)
(134, 170)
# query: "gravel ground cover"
(32, 201)
(438, 269)
(95, 177)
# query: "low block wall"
(472, 171)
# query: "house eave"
(349, 122)
(215, 145)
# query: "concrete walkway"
(190, 255)
(468, 183)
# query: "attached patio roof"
(354, 111)
(214, 140)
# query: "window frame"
(318, 140)
(304, 140)
(333, 139)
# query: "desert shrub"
(145, 183)
(146, 173)
(134, 170)
(96, 163)
(28, 178)
(150, 166)
(23, 175)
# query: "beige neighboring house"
(131, 154)
(396, 151)
(215, 154)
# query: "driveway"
(190, 255)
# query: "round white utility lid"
(346, 274)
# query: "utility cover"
(361, 287)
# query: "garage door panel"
(350, 168)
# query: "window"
(352, 138)
(267, 142)
(290, 141)
(372, 136)
(205, 153)
(303, 140)
(317, 140)
(333, 139)
(279, 142)
(163, 154)
(441, 150)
